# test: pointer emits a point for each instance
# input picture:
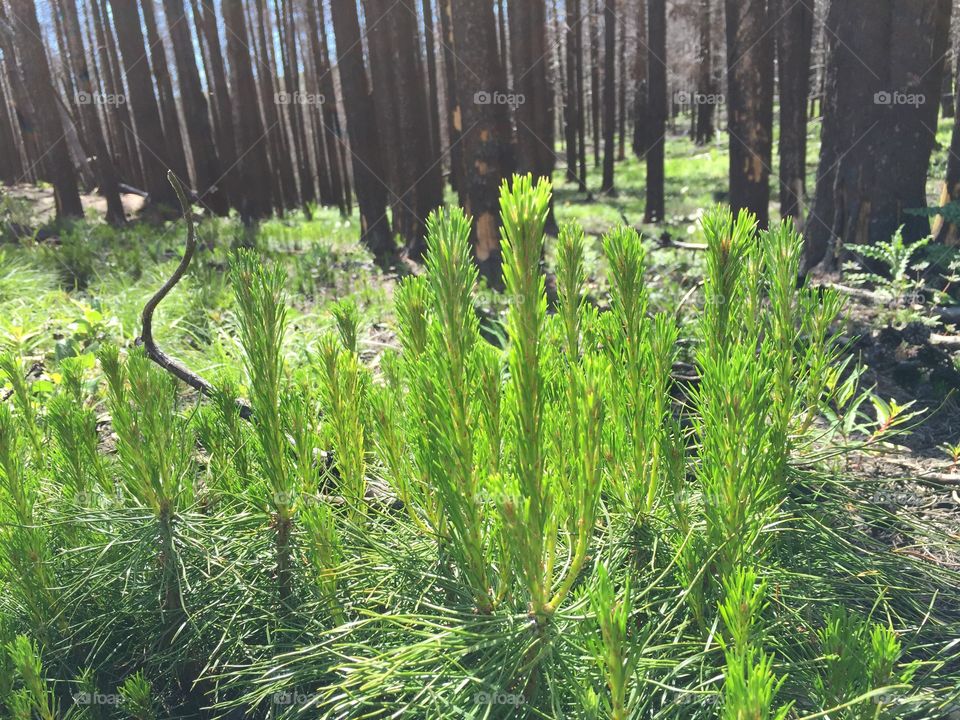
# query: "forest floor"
(72, 289)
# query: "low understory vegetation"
(559, 525)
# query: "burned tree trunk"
(86, 92)
(640, 89)
(362, 128)
(36, 75)
(226, 145)
(706, 91)
(487, 156)
(413, 173)
(794, 42)
(656, 124)
(609, 94)
(750, 105)
(148, 134)
(168, 105)
(532, 90)
(573, 104)
(253, 191)
(195, 108)
(880, 114)
(454, 120)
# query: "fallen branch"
(172, 365)
(945, 341)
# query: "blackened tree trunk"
(96, 133)
(37, 77)
(794, 42)
(433, 95)
(168, 104)
(196, 112)
(414, 174)
(279, 154)
(573, 103)
(362, 128)
(880, 114)
(10, 168)
(331, 133)
(750, 105)
(640, 89)
(152, 146)
(253, 198)
(622, 90)
(609, 94)
(581, 101)
(534, 114)
(299, 103)
(226, 144)
(656, 124)
(120, 118)
(487, 155)
(948, 233)
(454, 119)
(595, 81)
(706, 90)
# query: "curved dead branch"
(172, 365)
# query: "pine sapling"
(613, 649)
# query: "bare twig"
(172, 365)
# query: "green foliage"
(564, 523)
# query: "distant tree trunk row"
(274, 106)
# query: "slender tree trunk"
(581, 100)
(502, 44)
(168, 103)
(433, 113)
(10, 168)
(337, 147)
(487, 154)
(609, 94)
(454, 120)
(400, 98)
(253, 198)
(595, 80)
(126, 148)
(948, 233)
(880, 115)
(85, 98)
(362, 128)
(37, 77)
(572, 110)
(622, 87)
(331, 190)
(750, 53)
(656, 124)
(794, 41)
(706, 90)
(154, 153)
(195, 108)
(226, 145)
(279, 153)
(534, 115)
(291, 79)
